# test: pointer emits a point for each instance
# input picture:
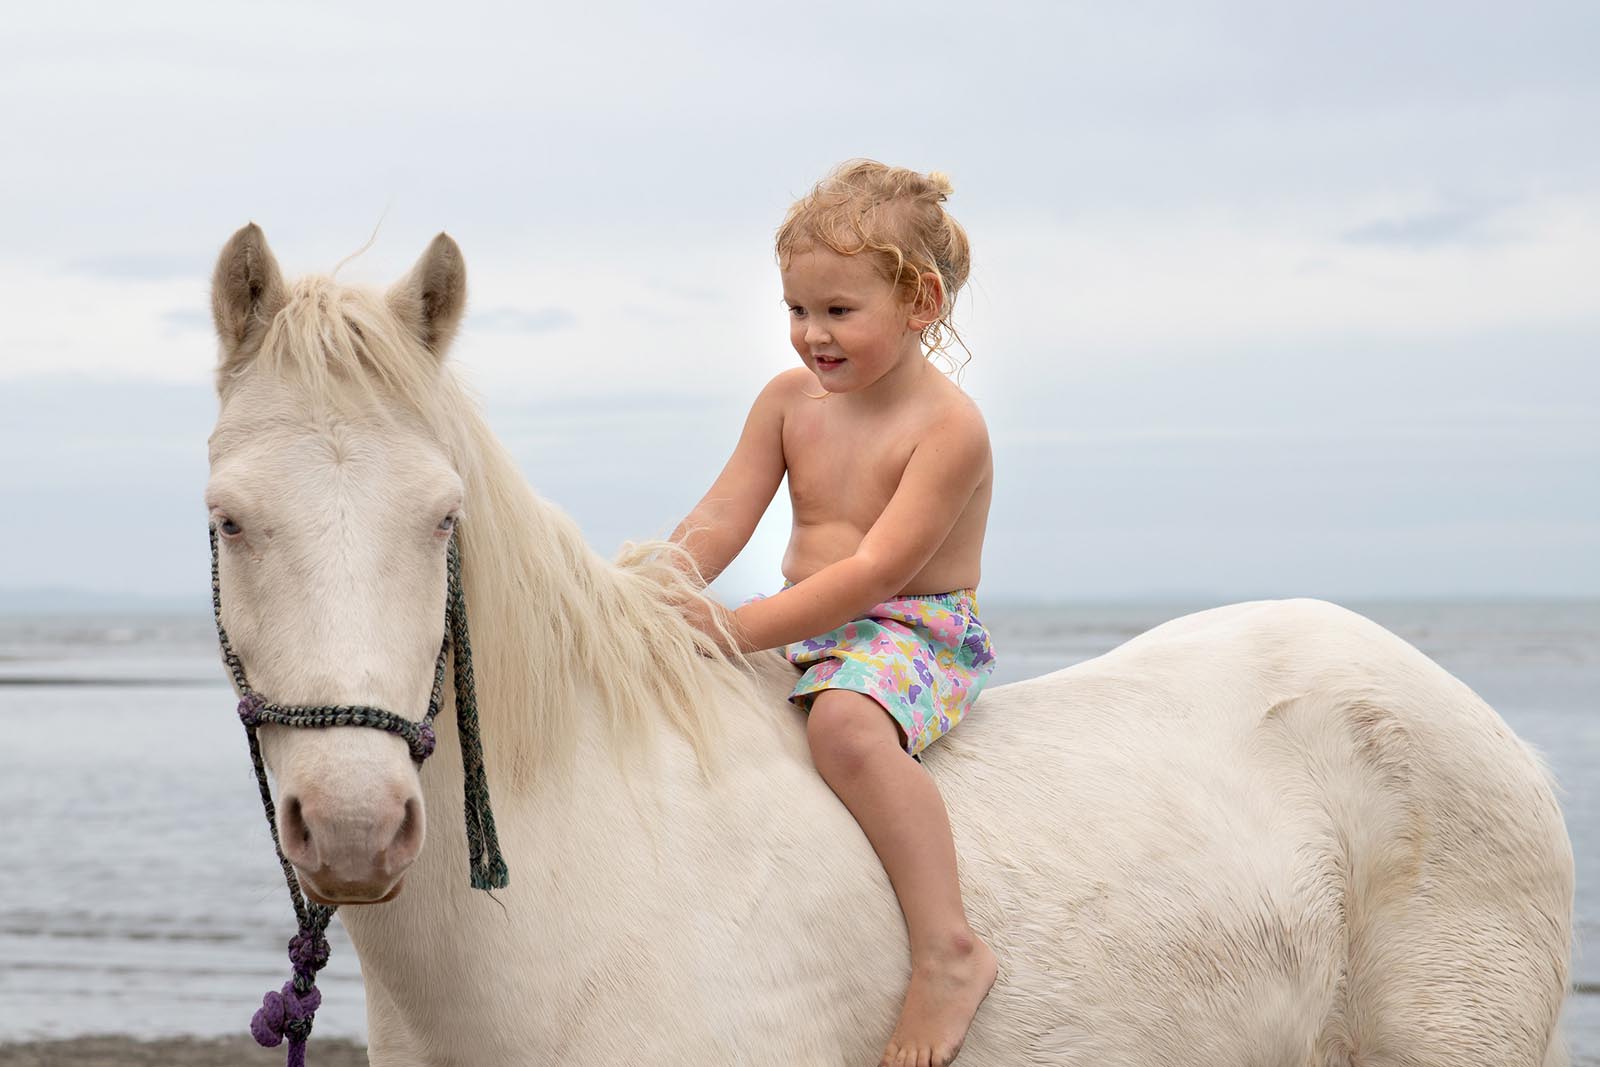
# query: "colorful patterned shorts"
(924, 658)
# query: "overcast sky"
(1268, 299)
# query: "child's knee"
(847, 731)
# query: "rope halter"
(288, 1013)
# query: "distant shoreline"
(101, 683)
(115, 1050)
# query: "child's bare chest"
(843, 469)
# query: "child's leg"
(856, 747)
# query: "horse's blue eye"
(229, 528)
(447, 524)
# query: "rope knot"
(250, 709)
(308, 951)
(285, 1013)
(422, 747)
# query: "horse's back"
(1233, 821)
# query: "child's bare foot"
(946, 989)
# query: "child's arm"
(721, 524)
(944, 471)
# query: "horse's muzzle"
(347, 856)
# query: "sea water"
(139, 893)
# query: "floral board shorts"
(924, 658)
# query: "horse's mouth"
(347, 895)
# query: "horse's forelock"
(345, 347)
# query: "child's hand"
(713, 620)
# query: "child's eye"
(837, 311)
(797, 312)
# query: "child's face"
(848, 324)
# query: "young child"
(889, 475)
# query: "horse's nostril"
(408, 839)
(296, 831)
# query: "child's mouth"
(828, 362)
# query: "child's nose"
(815, 334)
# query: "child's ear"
(928, 307)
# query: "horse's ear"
(431, 299)
(247, 290)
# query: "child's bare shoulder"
(786, 388)
(955, 414)
(794, 382)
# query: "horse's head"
(333, 495)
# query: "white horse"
(1270, 833)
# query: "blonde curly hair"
(896, 216)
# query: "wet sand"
(173, 1052)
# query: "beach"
(171, 1052)
(142, 913)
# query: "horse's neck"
(645, 816)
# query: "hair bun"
(941, 181)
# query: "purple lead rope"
(288, 1013)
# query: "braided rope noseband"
(288, 1013)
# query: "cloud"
(141, 266)
(519, 320)
(650, 315)
(183, 320)
(1432, 229)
